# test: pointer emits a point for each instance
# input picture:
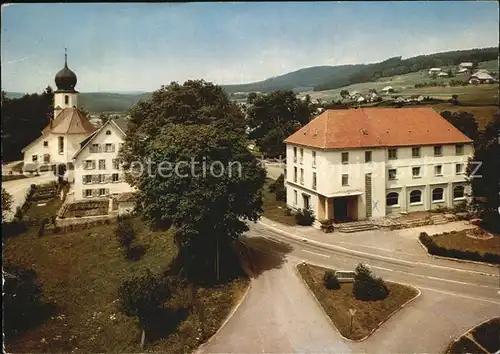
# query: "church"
(61, 138)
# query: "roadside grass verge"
(487, 335)
(457, 244)
(275, 209)
(80, 273)
(336, 303)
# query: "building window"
(34, 158)
(306, 199)
(437, 194)
(102, 191)
(295, 174)
(45, 143)
(89, 164)
(415, 152)
(94, 148)
(438, 150)
(458, 192)
(415, 171)
(392, 199)
(102, 164)
(301, 176)
(368, 156)
(459, 168)
(66, 99)
(108, 132)
(345, 180)
(345, 157)
(314, 181)
(109, 147)
(87, 179)
(88, 193)
(393, 173)
(61, 144)
(295, 197)
(393, 154)
(415, 197)
(116, 164)
(115, 177)
(438, 170)
(294, 154)
(314, 158)
(301, 155)
(459, 149)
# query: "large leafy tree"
(197, 133)
(275, 116)
(484, 173)
(23, 120)
(6, 203)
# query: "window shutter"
(93, 164)
(109, 178)
(83, 180)
(95, 192)
(83, 193)
(112, 147)
(107, 191)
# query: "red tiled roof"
(70, 121)
(377, 127)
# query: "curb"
(199, 350)
(378, 325)
(360, 253)
(455, 259)
(467, 332)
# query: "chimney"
(50, 122)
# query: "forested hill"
(398, 66)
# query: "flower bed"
(84, 208)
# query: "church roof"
(70, 121)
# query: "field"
(337, 303)
(80, 273)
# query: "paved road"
(279, 315)
(274, 170)
(19, 188)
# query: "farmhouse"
(367, 163)
(466, 65)
(60, 139)
(481, 77)
(434, 71)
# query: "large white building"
(61, 137)
(356, 164)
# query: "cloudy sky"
(120, 47)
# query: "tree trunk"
(143, 338)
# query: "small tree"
(125, 234)
(6, 203)
(304, 217)
(344, 94)
(368, 287)
(141, 297)
(330, 280)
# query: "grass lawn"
(459, 241)
(274, 209)
(337, 303)
(39, 212)
(80, 273)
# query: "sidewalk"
(397, 244)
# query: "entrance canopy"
(344, 194)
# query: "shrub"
(330, 280)
(304, 217)
(125, 233)
(367, 287)
(288, 211)
(281, 194)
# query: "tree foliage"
(6, 203)
(368, 287)
(275, 116)
(463, 121)
(484, 173)
(125, 234)
(196, 129)
(23, 119)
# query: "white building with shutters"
(98, 171)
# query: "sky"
(139, 47)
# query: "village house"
(368, 163)
(98, 168)
(61, 138)
(481, 77)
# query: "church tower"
(66, 96)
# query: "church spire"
(65, 57)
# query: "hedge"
(436, 250)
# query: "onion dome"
(65, 79)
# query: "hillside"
(300, 80)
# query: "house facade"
(368, 163)
(98, 170)
(61, 138)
